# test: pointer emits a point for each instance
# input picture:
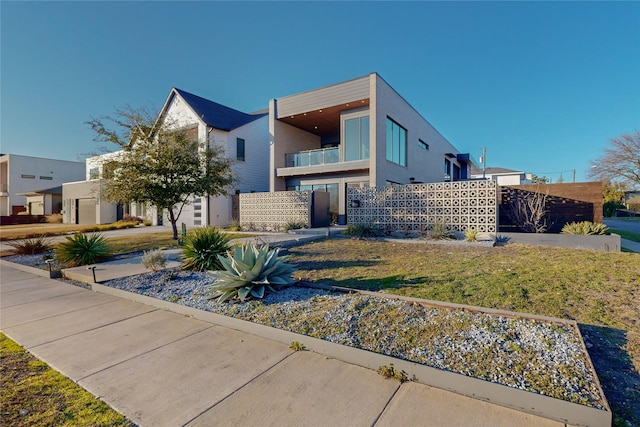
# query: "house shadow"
(618, 377)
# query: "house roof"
(52, 190)
(216, 115)
(495, 171)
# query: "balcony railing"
(322, 156)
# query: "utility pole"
(484, 162)
(573, 176)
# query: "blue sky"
(543, 85)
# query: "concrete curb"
(536, 404)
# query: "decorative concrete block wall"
(274, 210)
(460, 204)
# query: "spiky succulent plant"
(249, 271)
(585, 227)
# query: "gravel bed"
(539, 357)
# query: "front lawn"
(600, 290)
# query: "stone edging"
(533, 403)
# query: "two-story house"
(359, 133)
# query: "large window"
(356, 139)
(396, 143)
(240, 149)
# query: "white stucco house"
(243, 136)
(357, 133)
(502, 176)
(22, 176)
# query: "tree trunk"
(174, 221)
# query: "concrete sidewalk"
(163, 369)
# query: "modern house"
(358, 133)
(45, 201)
(23, 175)
(502, 176)
(244, 137)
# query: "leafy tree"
(160, 164)
(620, 161)
(613, 197)
(535, 179)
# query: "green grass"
(600, 290)
(33, 394)
(629, 235)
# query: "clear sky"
(543, 85)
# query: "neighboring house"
(632, 200)
(502, 176)
(46, 201)
(21, 175)
(244, 137)
(358, 133)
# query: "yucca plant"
(154, 260)
(32, 246)
(201, 249)
(82, 249)
(585, 228)
(471, 235)
(440, 231)
(361, 231)
(249, 271)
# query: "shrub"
(440, 231)
(54, 218)
(201, 248)
(234, 225)
(147, 223)
(471, 235)
(249, 271)
(609, 208)
(294, 225)
(129, 218)
(32, 246)
(361, 231)
(154, 260)
(82, 250)
(584, 227)
(501, 239)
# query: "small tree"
(620, 161)
(161, 165)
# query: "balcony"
(322, 156)
(324, 160)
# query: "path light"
(49, 262)
(93, 270)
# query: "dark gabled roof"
(217, 115)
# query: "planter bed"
(531, 363)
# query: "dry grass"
(600, 290)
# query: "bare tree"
(620, 161)
(528, 210)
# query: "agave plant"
(249, 271)
(585, 227)
(201, 249)
(82, 249)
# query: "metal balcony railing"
(322, 156)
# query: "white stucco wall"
(47, 173)
(423, 165)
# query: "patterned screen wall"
(460, 204)
(273, 210)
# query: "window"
(28, 176)
(447, 169)
(356, 139)
(456, 172)
(423, 144)
(94, 173)
(396, 143)
(47, 178)
(240, 149)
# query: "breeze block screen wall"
(459, 204)
(274, 210)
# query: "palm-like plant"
(82, 249)
(249, 271)
(202, 247)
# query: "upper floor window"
(28, 176)
(356, 139)
(423, 144)
(396, 143)
(240, 149)
(447, 169)
(94, 173)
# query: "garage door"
(86, 211)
